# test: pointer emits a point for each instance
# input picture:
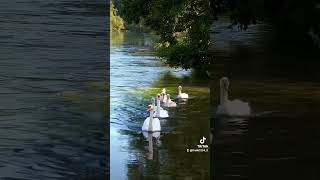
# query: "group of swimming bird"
(232, 108)
(152, 123)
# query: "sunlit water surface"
(136, 76)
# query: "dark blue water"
(53, 68)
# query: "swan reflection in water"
(149, 136)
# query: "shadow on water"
(52, 90)
(276, 75)
(136, 76)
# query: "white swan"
(231, 108)
(160, 113)
(182, 95)
(151, 124)
(163, 95)
(155, 107)
(169, 102)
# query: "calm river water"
(278, 75)
(136, 76)
(52, 89)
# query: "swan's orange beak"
(148, 109)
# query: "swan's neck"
(223, 96)
(158, 107)
(150, 121)
(179, 91)
(158, 104)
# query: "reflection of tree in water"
(116, 38)
(137, 39)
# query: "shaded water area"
(278, 75)
(52, 89)
(137, 75)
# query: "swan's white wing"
(164, 114)
(164, 98)
(172, 104)
(183, 96)
(145, 126)
(238, 108)
(156, 124)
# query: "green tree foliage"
(183, 27)
(116, 21)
